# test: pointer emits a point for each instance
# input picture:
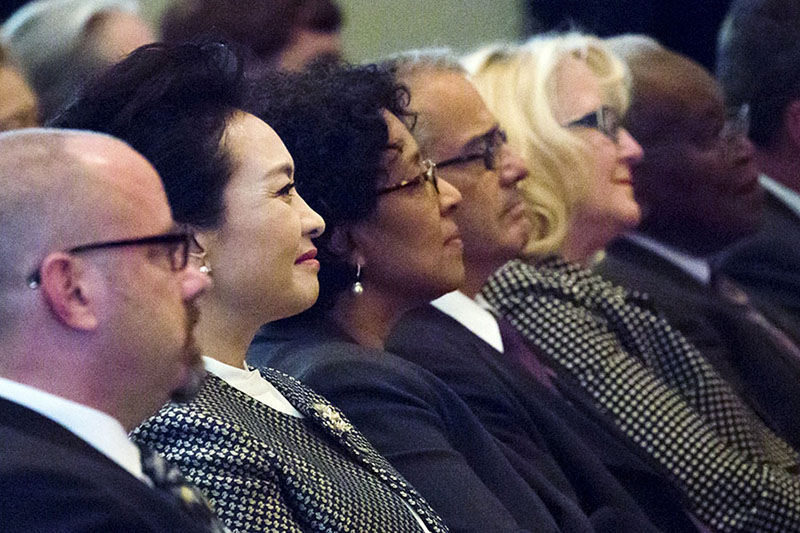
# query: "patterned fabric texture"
(658, 390)
(168, 478)
(267, 471)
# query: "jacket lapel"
(338, 427)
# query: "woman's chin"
(296, 302)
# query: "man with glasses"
(96, 318)
(698, 188)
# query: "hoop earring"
(357, 289)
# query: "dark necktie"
(514, 348)
(168, 479)
(729, 291)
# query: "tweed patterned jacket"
(267, 471)
(736, 474)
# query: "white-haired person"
(61, 44)
(561, 99)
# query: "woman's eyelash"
(286, 190)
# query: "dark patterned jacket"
(658, 390)
(267, 471)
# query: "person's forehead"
(250, 139)
(450, 106)
(577, 90)
(675, 99)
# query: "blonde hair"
(518, 84)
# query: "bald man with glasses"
(96, 318)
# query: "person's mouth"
(310, 255)
(308, 259)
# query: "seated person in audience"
(97, 306)
(18, 107)
(758, 64)
(699, 191)
(392, 244)
(61, 44)
(463, 343)
(612, 353)
(286, 35)
(267, 451)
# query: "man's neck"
(688, 242)
(477, 272)
(781, 164)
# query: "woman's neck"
(368, 317)
(581, 246)
(222, 336)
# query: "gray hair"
(44, 38)
(411, 62)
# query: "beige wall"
(374, 28)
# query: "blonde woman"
(561, 99)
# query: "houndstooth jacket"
(643, 375)
(267, 471)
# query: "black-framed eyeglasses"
(605, 119)
(428, 174)
(489, 146)
(177, 245)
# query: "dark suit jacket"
(765, 374)
(421, 427)
(540, 428)
(768, 264)
(52, 481)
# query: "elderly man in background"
(61, 44)
(759, 65)
(698, 188)
(96, 317)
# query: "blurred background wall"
(374, 28)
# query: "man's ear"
(67, 291)
(791, 118)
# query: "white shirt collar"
(102, 431)
(696, 267)
(252, 383)
(475, 315)
(784, 193)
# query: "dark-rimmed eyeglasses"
(488, 148)
(605, 119)
(428, 174)
(176, 244)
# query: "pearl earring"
(357, 289)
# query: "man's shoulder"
(48, 483)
